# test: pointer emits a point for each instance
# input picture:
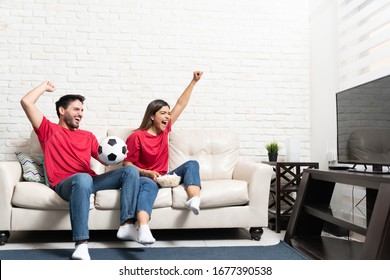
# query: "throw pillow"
(32, 167)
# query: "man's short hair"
(65, 100)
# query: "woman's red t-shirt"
(149, 151)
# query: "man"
(67, 153)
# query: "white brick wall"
(123, 54)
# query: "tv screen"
(363, 125)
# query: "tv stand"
(312, 210)
(376, 169)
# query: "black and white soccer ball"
(112, 150)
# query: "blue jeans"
(78, 188)
(189, 173)
(147, 195)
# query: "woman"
(148, 151)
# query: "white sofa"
(234, 193)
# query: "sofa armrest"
(258, 176)
(10, 174)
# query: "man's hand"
(197, 75)
(48, 86)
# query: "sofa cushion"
(215, 193)
(110, 199)
(35, 147)
(216, 150)
(122, 133)
(37, 196)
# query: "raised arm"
(181, 103)
(34, 115)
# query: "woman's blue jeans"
(189, 173)
(78, 188)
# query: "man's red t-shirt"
(149, 151)
(66, 152)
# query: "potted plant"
(272, 148)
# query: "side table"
(284, 188)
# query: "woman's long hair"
(150, 111)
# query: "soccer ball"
(112, 150)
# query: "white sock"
(194, 204)
(127, 232)
(81, 252)
(145, 235)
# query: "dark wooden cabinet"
(312, 210)
(284, 187)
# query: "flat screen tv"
(363, 126)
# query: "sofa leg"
(4, 235)
(256, 233)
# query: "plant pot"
(273, 156)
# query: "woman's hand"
(151, 174)
(197, 75)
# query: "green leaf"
(272, 147)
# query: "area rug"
(280, 251)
